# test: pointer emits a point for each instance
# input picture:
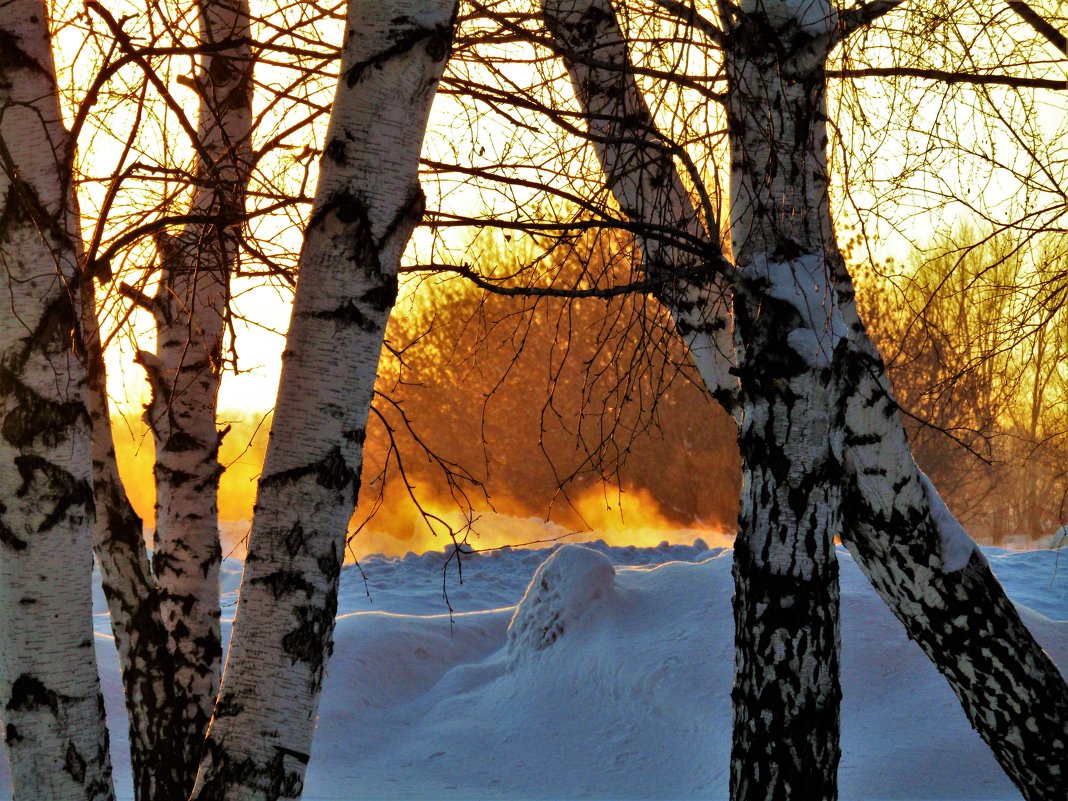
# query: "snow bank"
(630, 699)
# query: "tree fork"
(786, 524)
(899, 559)
(190, 309)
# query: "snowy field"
(610, 679)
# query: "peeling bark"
(50, 699)
(367, 204)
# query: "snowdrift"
(605, 672)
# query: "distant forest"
(586, 412)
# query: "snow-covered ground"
(613, 681)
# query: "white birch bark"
(132, 596)
(366, 206)
(913, 551)
(639, 168)
(50, 699)
(190, 308)
(790, 345)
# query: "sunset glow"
(900, 218)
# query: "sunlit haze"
(482, 402)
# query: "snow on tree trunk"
(941, 587)
(787, 690)
(190, 307)
(133, 597)
(791, 340)
(366, 206)
(639, 167)
(50, 699)
(955, 614)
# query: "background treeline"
(975, 334)
(584, 411)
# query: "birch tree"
(189, 308)
(166, 617)
(786, 662)
(367, 203)
(803, 350)
(50, 698)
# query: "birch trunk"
(49, 690)
(903, 540)
(639, 167)
(190, 308)
(366, 206)
(133, 598)
(787, 690)
(940, 586)
(790, 346)
(937, 582)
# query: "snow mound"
(633, 701)
(561, 590)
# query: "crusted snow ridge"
(562, 588)
(954, 543)
(803, 284)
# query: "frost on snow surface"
(632, 698)
(802, 283)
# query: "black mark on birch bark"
(310, 642)
(66, 490)
(9, 537)
(330, 472)
(285, 582)
(13, 58)
(405, 36)
(29, 694)
(74, 764)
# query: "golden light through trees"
(495, 152)
(483, 367)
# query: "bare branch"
(857, 18)
(467, 272)
(1041, 26)
(945, 76)
(687, 13)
